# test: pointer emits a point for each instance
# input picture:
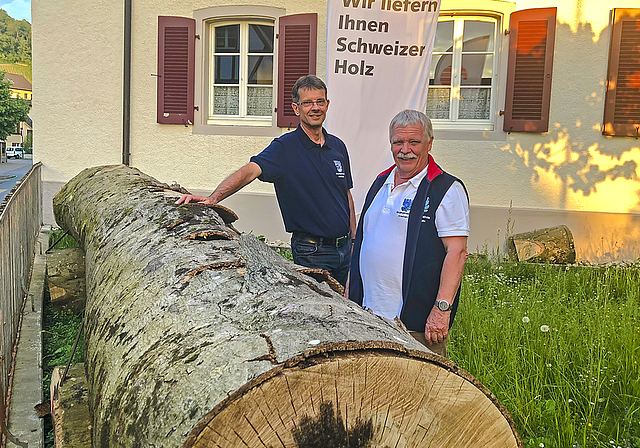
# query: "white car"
(16, 152)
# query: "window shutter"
(296, 57)
(622, 99)
(531, 41)
(176, 69)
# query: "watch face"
(443, 306)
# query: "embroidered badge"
(338, 165)
(405, 208)
(426, 209)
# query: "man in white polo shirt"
(411, 244)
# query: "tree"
(12, 110)
(27, 144)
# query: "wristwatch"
(443, 305)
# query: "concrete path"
(11, 172)
(27, 381)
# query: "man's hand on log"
(186, 198)
(437, 327)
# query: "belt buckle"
(340, 240)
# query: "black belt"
(308, 238)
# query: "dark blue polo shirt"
(311, 182)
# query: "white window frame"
(222, 124)
(242, 118)
(454, 123)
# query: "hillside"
(18, 69)
(15, 41)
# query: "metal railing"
(20, 221)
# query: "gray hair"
(307, 82)
(411, 117)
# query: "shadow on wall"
(576, 156)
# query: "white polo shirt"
(385, 235)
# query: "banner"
(378, 59)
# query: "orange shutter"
(622, 99)
(297, 40)
(531, 42)
(176, 69)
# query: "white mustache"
(407, 156)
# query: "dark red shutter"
(297, 42)
(622, 99)
(176, 69)
(531, 41)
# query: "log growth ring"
(410, 398)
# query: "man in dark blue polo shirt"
(311, 174)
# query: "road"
(10, 173)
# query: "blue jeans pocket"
(304, 249)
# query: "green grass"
(576, 384)
(61, 240)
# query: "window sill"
(443, 132)
(237, 129)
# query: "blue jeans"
(336, 260)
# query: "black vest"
(423, 255)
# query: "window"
(247, 59)
(462, 80)
(241, 72)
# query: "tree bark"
(215, 340)
(65, 274)
(550, 245)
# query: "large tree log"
(197, 336)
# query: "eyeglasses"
(320, 103)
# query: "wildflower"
(541, 445)
(569, 400)
(544, 328)
(525, 319)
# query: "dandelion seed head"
(525, 319)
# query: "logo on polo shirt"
(339, 169)
(426, 209)
(405, 209)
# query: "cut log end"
(374, 396)
(550, 245)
